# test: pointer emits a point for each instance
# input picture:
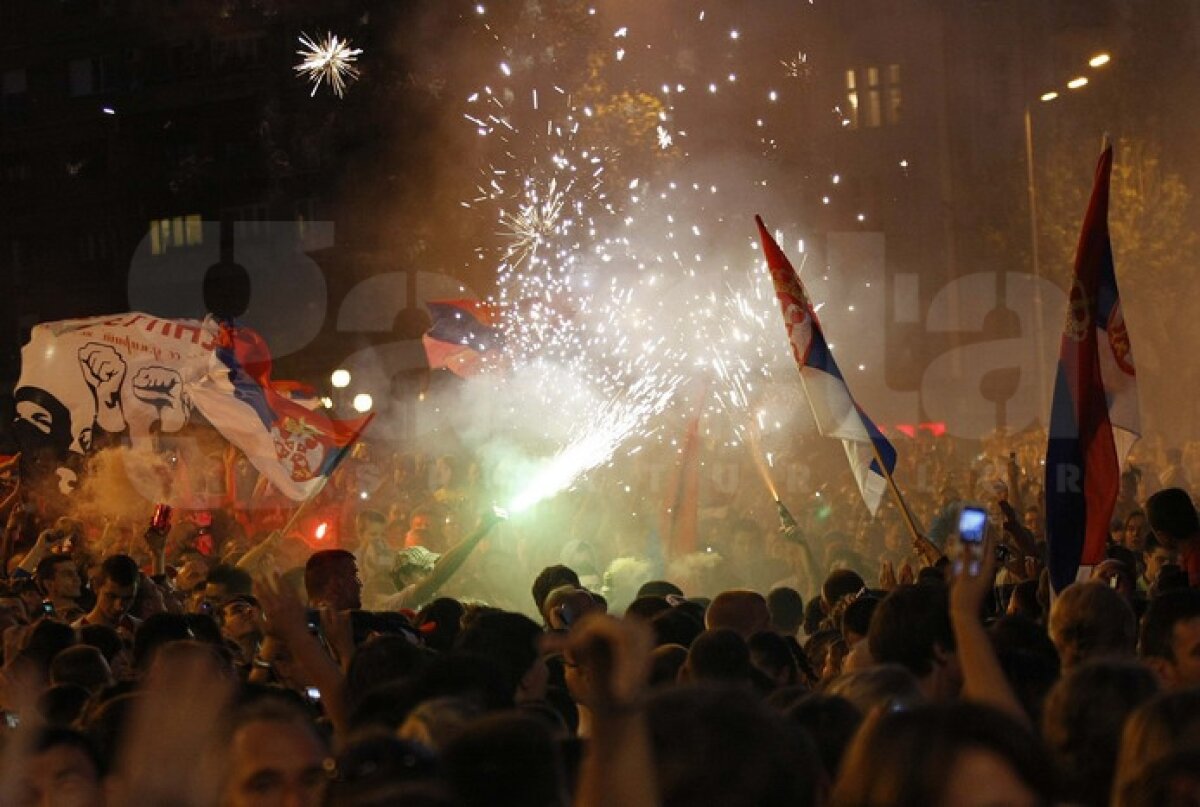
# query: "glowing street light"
(1049, 96)
(1099, 60)
(340, 379)
(363, 402)
(1077, 82)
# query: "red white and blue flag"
(296, 448)
(1094, 419)
(463, 336)
(833, 407)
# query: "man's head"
(116, 588)
(1172, 516)
(240, 617)
(331, 578)
(840, 583)
(1155, 556)
(911, 627)
(743, 612)
(64, 768)
(58, 577)
(1170, 639)
(369, 526)
(82, 665)
(224, 582)
(275, 757)
(550, 578)
(1090, 620)
(787, 610)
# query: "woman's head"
(945, 754)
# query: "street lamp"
(340, 379)
(363, 403)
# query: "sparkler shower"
(629, 285)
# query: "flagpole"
(918, 539)
(252, 556)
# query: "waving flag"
(296, 448)
(1094, 419)
(462, 336)
(833, 407)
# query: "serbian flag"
(295, 448)
(463, 336)
(833, 407)
(1094, 419)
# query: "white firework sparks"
(331, 60)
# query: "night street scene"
(672, 403)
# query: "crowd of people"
(404, 644)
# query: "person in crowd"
(331, 580)
(58, 578)
(1154, 556)
(276, 756)
(116, 587)
(1090, 620)
(1172, 518)
(1170, 638)
(911, 627)
(63, 768)
(1166, 724)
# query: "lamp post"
(1078, 82)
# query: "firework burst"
(328, 60)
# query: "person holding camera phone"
(58, 578)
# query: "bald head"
(743, 612)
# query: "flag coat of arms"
(1094, 419)
(134, 376)
(833, 407)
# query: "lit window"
(873, 117)
(893, 95)
(851, 100)
(175, 232)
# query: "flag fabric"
(1094, 418)
(463, 336)
(295, 448)
(833, 407)
(133, 377)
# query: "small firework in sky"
(330, 59)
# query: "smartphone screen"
(972, 523)
(972, 527)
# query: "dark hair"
(787, 609)
(1172, 512)
(508, 639)
(841, 583)
(103, 638)
(676, 626)
(1158, 624)
(903, 758)
(831, 722)
(322, 568)
(120, 569)
(550, 578)
(659, 588)
(51, 738)
(908, 625)
(236, 581)
(716, 746)
(62, 704)
(47, 566)
(814, 615)
(719, 655)
(856, 618)
(769, 652)
(439, 623)
(1083, 719)
(505, 759)
(82, 665)
(647, 607)
(162, 629)
(381, 660)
